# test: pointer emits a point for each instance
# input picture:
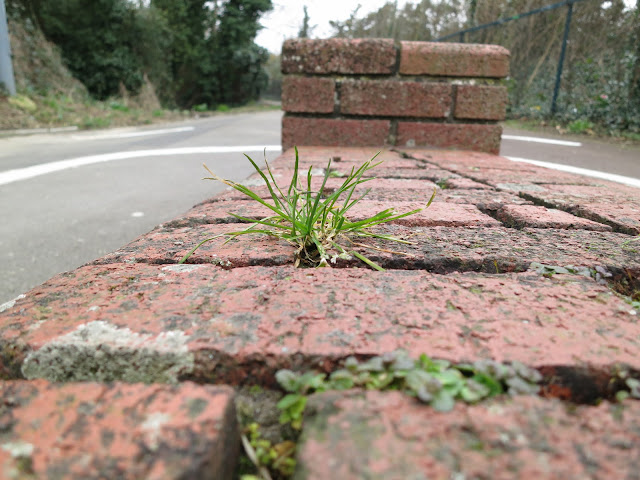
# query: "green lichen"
(99, 351)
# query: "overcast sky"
(285, 19)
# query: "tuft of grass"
(315, 224)
(580, 126)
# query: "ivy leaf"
(374, 364)
(292, 406)
(443, 401)
(634, 387)
(342, 380)
(450, 377)
(288, 380)
(289, 401)
(351, 363)
(416, 380)
(311, 381)
(494, 386)
(474, 391)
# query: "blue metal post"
(6, 67)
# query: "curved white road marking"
(16, 175)
(634, 182)
(550, 141)
(141, 133)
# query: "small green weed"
(434, 382)
(267, 457)
(203, 107)
(223, 108)
(95, 122)
(317, 225)
(120, 107)
(580, 126)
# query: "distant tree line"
(193, 51)
(601, 79)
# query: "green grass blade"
(276, 201)
(371, 263)
(192, 251)
(294, 179)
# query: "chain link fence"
(599, 84)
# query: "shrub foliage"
(194, 51)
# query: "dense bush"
(194, 52)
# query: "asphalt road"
(56, 222)
(60, 220)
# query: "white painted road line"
(634, 182)
(16, 175)
(141, 133)
(542, 140)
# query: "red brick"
(454, 158)
(441, 214)
(500, 172)
(95, 431)
(603, 192)
(466, 184)
(328, 132)
(438, 214)
(483, 138)
(454, 59)
(390, 189)
(315, 95)
(481, 102)
(438, 249)
(623, 218)
(395, 99)
(521, 216)
(339, 55)
(476, 196)
(614, 205)
(375, 435)
(157, 323)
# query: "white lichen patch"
(99, 351)
(7, 305)
(152, 427)
(18, 449)
(181, 268)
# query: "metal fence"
(574, 59)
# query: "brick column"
(372, 92)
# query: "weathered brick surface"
(500, 172)
(481, 102)
(301, 94)
(623, 218)
(330, 131)
(238, 312)
(97, 431)
(438, 249)
(395, 99)
(166, 323)
(457, 190)
(167, 245)
(338, 55)
(440, 214)
(465, 183)
(483, 138)
(615, 205)
(354, 435)
(453, 59)
(521, 216)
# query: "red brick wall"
(372, 92)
